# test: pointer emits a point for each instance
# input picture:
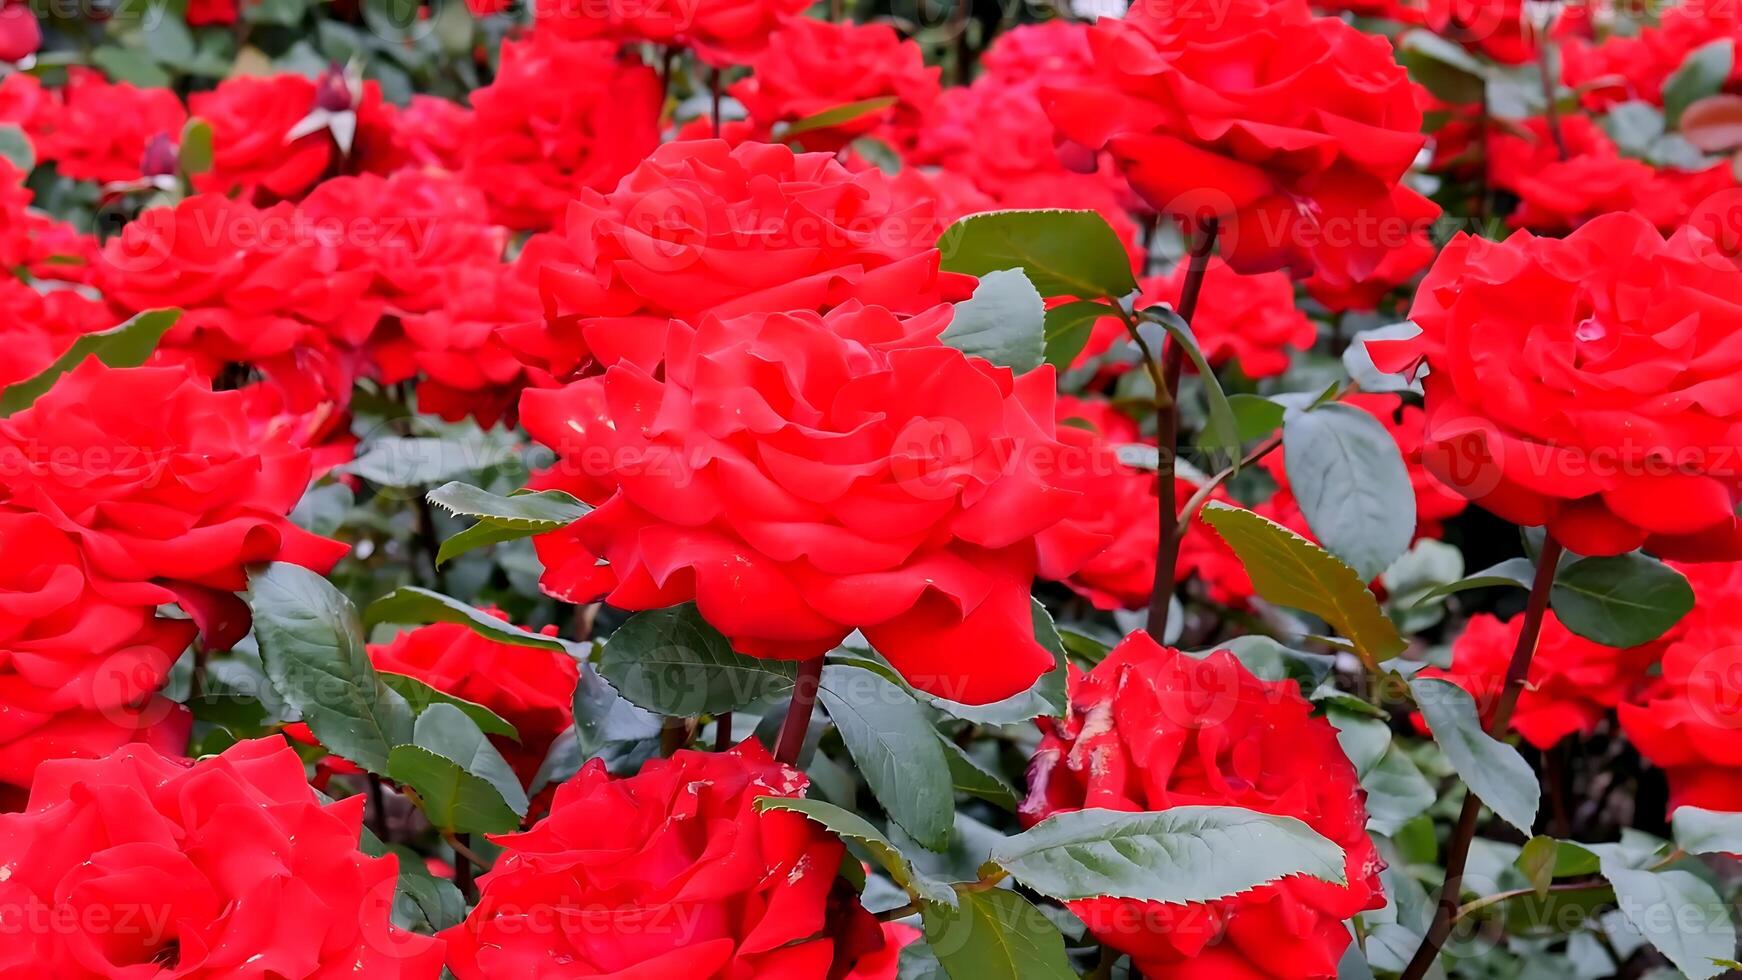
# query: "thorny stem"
(1458, 852)
(1167, 433)
(466, 865)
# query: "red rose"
(20, 34)
(721, 32)
(254, 284)
(704, 227)
(530, 689)
(159, 479)
(1587, 384)
(100, 129)
(1118, 505)
(668, 873)
(256, 157)
(433, 132)
(1150, 729)
(1400, 266)
(1053, 50)
(559, 118)
(37, 327)
(812, 66)
(803, 476)
(138, 865)
(1290, 128)
(202, 12)
(1689, 722)
(82, 656)
(1573, 682)
(1627, 67)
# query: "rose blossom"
(160, 480)
(671, 872)
(559, 118)
(1151, 728)
(141, 865)
(1291, 129)
(100, 129)
(802, 476)
(253, 157)
(721, 32)
(1587, 384)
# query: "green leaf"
(311, 646)
(1397, 792)
(850, 826)
(423, 902)
(1492, 769)
(1004, 322)
(132, 66)
(415, 605)
(1067, 329)
(896, 749)
(1351, 483)
(1512, 571)
(995, 935)
(1620, 601)
(1269, 660)
(125, 346)
(672, 662)
(421, 696)
(463, 784)
(1063, 253)
(604, 718)
(837, 116)
(1537, 859)
(500, 518)
(1703, 72)
(1047, 696)
(1674, 910)
(1442, 66)
(1222, 430)
(1255, 416)
(1186, 854)
(196, 147)
(1289, 570)
(1701, 831)
(16, 148)
(403, 462)
(976, 780)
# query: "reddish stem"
(1458, 853)
(798, 712)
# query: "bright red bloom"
(1573, 685)
(37, 327)
(254, 155)
(1627, 67)
(1053, 51)
(82, 656)
(100, 129)
(530, 689)
(671, 872)
(1588, 384)
(1291, 129)
(20, 33)
(1150, 729)
(160, 480)
(721, 32)
(559, 119)
(812, 66)
(803, 476)
(139, 865)
(202, 12)
(1689, 722)
(704, 227)
(433, 132)
(1401, 264)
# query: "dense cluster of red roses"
(730, 337)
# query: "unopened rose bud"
(333, 90)
(162, 157)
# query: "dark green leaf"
(1267, 659)
(415, 605)
(976, 780)
(16, 148)
(672, 662)
(1186, 854)
(403, 462)
(419, 696)
(463, 784)
(1349, 478)
(1003, 322)
(1492, 769)
(312, 648)
(1067, 329)
(423, 902)
(1537, 860)
(604, 718)
(995, 935)
(1512, 571)
(130, 65)
(1222, 430)
(534, 513)
(1289, 570)
(896, 749)
(837, 116)
(1254, 416)
(1674, 910)
(850, 826)
(1703, 72)
(1622, 600)
(1442, 66)
(128, 345)
(1063, 253)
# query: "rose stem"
(1459, 850)
(722, 731)
(798, 712)
(463, 870)
(1167, 434)
(715, 81)
(377, 808)
(1551, 112)
(674, 735)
